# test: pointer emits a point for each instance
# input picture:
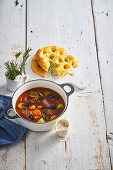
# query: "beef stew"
(39, 105)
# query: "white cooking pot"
(33, 84)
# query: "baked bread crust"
(64, 64)
(36, 68)
(45, 55)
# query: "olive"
(31, 118)
(27, 104)
(57, 97)
(52, 107)
(51, 96)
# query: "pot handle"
(71, 86)
(7, 112)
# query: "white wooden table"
(85, 28)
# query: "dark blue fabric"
(10, 132)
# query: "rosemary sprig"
(18, 54)
(14, 68)
(25, 57)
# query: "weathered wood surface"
(12, 39)
(103, 14)
(69, 24)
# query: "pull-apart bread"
(54, 59)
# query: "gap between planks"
(98, 63)
(26, 25)
(25, 50)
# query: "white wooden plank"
(12, 39)
(12, 31)
(69, 24)
(103, 12)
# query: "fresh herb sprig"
(25, 57)
(51, 68)
(14, 68)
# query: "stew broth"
(40, 105)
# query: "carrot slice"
(39, 107)
(36, 112)
(36, 117)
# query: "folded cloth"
(10, 132)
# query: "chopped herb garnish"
(51, 68)
(71, 74)
(44, 116)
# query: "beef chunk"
(27, 113)
(49, 112)
(45, 102)
(35, 100)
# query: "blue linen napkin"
(10, 132)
